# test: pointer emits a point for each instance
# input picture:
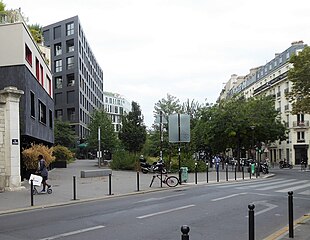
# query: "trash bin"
(252, 168)
(184, 174)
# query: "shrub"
(123, 160)
(30, 155)
(62, 153)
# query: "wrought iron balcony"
(301, 124)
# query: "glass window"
(70, 28)
(71, 114)
(58, 65)
(46, 35)
(32, 105)
(70, 62)
(57, 32)
(28, 54)
(70, 45)
(58, 114)
(70, 97)
(70, 80)
(58, 98)
(58, 82)
(42, 112)
(51, 118)
(57, 49)
(37, 70)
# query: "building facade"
(271, 79)
(77, 76)
(22, 65)
(116, 106)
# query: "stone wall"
(9, 139)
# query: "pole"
(251, 222)
(196, 173)
(138, 181)
(179, 156)
(74, 188)
(290, 215)
(99, 143)
(161, 134)
(110, 184)
(226, 172)
(207, 172)
(31, 191)
(217, 172)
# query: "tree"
(108, 139)
(2, 6)
(133, 132)
(36, 32)
(299, 75)
(63, 134)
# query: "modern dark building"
(24, 65)
(77, 77)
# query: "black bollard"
(290, 215)
(256, 168)
(235, 172)
(226, 172)
(207, 172)
(161, 178)
(196, 173)
(243, 172)
(138, 182)
(110, 184)
(217, 172)
(251, 222)
(31, 191)
(74, 188)
(250, 171)
(185, 231)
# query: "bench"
(95, 173)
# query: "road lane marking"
(307, 192)
(73, 233)
(294, 188)
(281, 185)
(160, 198)
(229, 196)
(268, 205)
(167, 211)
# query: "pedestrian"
(42, 170)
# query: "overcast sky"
(187, 48)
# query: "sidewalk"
(122, 182)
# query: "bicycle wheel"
(172, 181)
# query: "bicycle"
(170, 181)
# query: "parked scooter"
(283, 164)
(264, 168)
(156, 167)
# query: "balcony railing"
(11, 16)
(301, 124)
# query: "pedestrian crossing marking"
(275, 182)
(295, 188)
(307, 192)
(282, 185)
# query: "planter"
(59, 164)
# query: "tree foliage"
(133, 132)
(299, 75)
(63, 134)
(36, 32)
(108, 139)
(2, 6)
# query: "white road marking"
(294, 188)
(269, 183)
(282, 185)
(156, 199)
(167, 211)
(307, 192)
(264, 203)
(73, 233)
(229, 196)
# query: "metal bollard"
(207, 172)
(185, 231)
(243, 172)
(138, 182)
(226, 172)
(251, 222)
(74, 188)
(290, 215)
(235, 172)
(110, 184)
(31, 191)
(217, 172)
(161, 178)
(196, 173)
(250, 173)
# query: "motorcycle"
(156, 167)
(283, 164)
(264, 168)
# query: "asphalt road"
(218, 211)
